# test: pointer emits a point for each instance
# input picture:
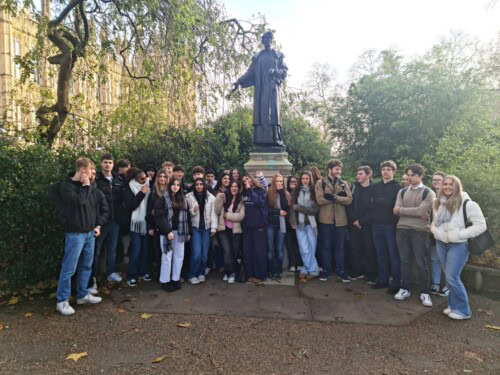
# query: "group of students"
(364, 231)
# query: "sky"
(338, 31)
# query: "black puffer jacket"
(113, 191)
(82, 207)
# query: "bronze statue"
(266, 74)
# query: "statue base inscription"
(269, 163)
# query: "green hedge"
(31, 241)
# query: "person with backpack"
(204, 223)
(136, 199)
(112, 186)
(333, 195)
(413, 206)
(453, 210)
(171, 218)
(76, 203)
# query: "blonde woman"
(451, 234)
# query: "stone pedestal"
(269, 163)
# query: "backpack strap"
(466, 221)
(425, 193)
(403, 191)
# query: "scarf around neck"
(304, 199)
(443, 215)
(282, 218)
(138, 222)
(183, 229)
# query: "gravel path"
(121, 342)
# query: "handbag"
(479, 244)
(241, 271)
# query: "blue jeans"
(453, 257)
(199, 252)
(307, 240)
(138, 258)
(330, 235)
(78, 253)
(435, 267)
(275, 240)
(110, 233)
(384, 239)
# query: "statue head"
(267, 39)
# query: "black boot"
(167, 287)
(176, 285)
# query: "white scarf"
(138, 222)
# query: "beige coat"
(333, 212)
(236, 217)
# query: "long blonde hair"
(272, 192)
(454, 202)
(158, 189)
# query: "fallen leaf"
(146, 316)
(76, 356)
(1, 326)
(467, 371)
(52, 295)
(13, 301)
(106, 291)
(471, 355)
(28, 315)
(184, 325)
(121, 311)
(487, 312)
(492, 327)
(159, 359)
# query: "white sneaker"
(201, 278)
(292, 269)
(456, 316)
(93, 290)
(402, 294)
(426, 299)
(194, 280)
(65, 308)
(230, 280)
(89, 298)
(207, 271)
(446, 311)
(115, 276)
(225, 278)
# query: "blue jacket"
(255, 201)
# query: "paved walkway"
(330, 301)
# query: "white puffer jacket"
(211, 219)
(455, 231)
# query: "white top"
(455, 231)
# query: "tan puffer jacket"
(236, 217)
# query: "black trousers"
(292, 247)
(230, 243)
(364, 259)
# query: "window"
(18, 53)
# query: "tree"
(172, 45)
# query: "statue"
(266, 74)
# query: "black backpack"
(55, 199)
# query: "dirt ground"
(35, 339)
